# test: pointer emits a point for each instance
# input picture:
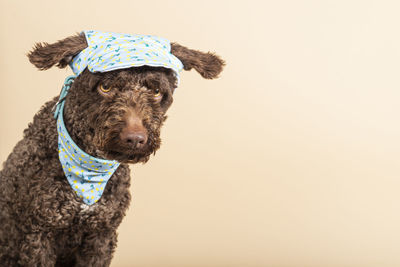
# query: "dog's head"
(118, 114)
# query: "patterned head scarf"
(108, 51)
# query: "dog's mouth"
(131, 158)
(124, 154)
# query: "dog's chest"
(111, 208)
(92, 210)
(84, 209)
(99, 216)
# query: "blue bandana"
(87, 175)
(108, 51)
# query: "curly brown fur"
(43, 222)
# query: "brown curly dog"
(113, 115)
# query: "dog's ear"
(45, 55)
(209, 65)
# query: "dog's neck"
(76, 122)
(79, 133)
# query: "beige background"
(291, 158)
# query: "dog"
(64, 189)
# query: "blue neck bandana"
(108, 51)
(87, 175)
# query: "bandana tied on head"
(108, 51)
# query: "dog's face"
(118, 114)
(124, 110)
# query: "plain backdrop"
(290, 158)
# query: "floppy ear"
(209, 65)
(45, 55)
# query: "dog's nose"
(135, 139)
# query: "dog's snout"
(134, 134)
(136, 139)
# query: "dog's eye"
(157, 93)
(105, 89)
